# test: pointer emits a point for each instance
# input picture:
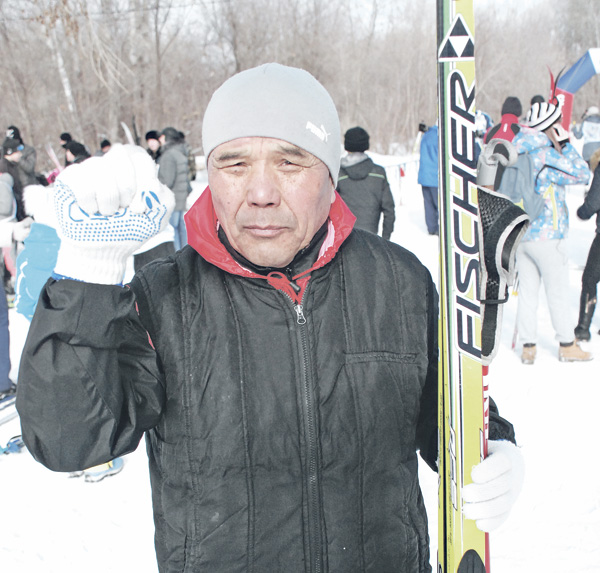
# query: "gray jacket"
(7, 200)
(27, 166)
(174, 173)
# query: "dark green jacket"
(365, 189)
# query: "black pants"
(591, 272)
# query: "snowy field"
(51, 523)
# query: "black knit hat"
(104, 143)
(11, 145)
(537, 99)
(171, 134)
(152, 134)
(76, 148)
(513, 106)
(356, 139)
(66, 137)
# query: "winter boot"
(98, 473)
(528, 355)
(587, 306)
(573, 353)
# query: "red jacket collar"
(201, 223)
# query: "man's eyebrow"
(292, 150)
(229, 155)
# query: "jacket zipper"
(314, 525)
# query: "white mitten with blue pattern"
(106, 208)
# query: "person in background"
(173, 171)
(12, 152)
(483, 123)
(162, 244)
(191, 158)
(537, 99)
(428, 178)
(27, 160)
(36, 260)
(65, 138)
(509, 121)
(104, 148)
(591, 271)
(75, 152)
(364, 187)
(10, 231)
(153, 144)
(589, 131)
(541, 255)
(283, 365)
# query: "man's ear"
(332, 189)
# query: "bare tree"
(85, 66)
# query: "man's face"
(153, 144)
(15, 156)
(270, 196)
(161, 140)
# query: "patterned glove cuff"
(92, 264)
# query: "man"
(542, 255)
(428, 178)
(12, 152)
(589, 131)
(173, 171)
(10, 231)
(591, 272)
(364, 186)
(283, 365)
(27, 160)
(75, 152)
(509, 121)
(105, 146)
(153, 144)
(65, 138)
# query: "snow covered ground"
(50, 523)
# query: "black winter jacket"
(591, 204)
(365, 189)
(12, 169)
(282, 428)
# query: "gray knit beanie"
(275, 101)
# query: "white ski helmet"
(543, 114)
(592, 110)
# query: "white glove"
(497, 482)
(561, 134)
(496, 154)
(21, 229)
(106, 208)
